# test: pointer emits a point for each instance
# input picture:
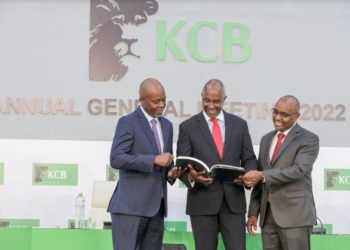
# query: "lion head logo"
(39, 170)
(331, 175)
(108, 47)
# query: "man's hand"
(198, 176)
(163, 160)
(238, 181)
(176, 172)
(252, 225)
(251, 178)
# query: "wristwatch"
(263, 178)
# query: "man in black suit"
(212, 205)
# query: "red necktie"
(216, 132)
(280, 137)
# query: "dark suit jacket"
(195, 140)
(288, 180)
(141, 184)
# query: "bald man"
(282, 195)
(142, 151)
(216, 206)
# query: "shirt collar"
(148, 117)
(220, 116)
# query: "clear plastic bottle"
(79, 211)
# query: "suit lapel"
(229, 128)
(147, 129)
(267, 147)
(165, 132)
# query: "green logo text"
(234, 46)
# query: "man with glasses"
(283, 194)
(214, 137)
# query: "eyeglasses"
(282, 114)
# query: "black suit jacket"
(195, 140)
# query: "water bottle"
(79, 211)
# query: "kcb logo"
(337, 179)
(55, 174)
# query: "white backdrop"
(54, 205)
(296, 47)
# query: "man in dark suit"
(142, 151)
(283, 194)
(216, 206)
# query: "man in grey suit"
(216, 206)
(142, 151)
(283, 194)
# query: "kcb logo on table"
(55, 174)
(337, 179)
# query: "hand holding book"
(200, 176)
(176, 172)
(218, 172)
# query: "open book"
(218, 172)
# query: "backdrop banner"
(72, 68)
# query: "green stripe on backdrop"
(253, 243)
(15, 238)
(75, 239)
